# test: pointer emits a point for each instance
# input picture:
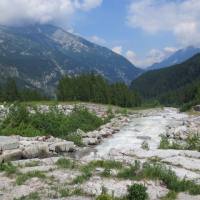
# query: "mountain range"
(176, 58)
(39, 55)
(176, 84)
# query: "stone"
(10, 155)
(90, 141)
(36, 151)
(65, 146)
(8, 143)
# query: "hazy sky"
(145, 31)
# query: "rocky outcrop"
(17, 147)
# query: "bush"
(19, 121)
(137, 192)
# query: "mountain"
(38, 55)
(176, 58)
(178, 83)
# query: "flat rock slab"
(184, 196)
(187, 163)
(8, 143)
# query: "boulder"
(35, 151)
(65, 146)
(10, 155)
(91, 141)
(8, 143)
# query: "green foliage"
(65, 163)
(21, 122)
(137, 192)
(191, 143)
(31, 196)
(22, 178)
(94, 88)
(164, 143)
(10, 92)
(104, 197)
(177, 85)
(9, 168)
(131, 172)
(159, 172)
(171, 195)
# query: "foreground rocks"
(17, 147)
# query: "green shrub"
(19, 121)
(164, 143)
(132, 172)
(137, 192)
(9, 168)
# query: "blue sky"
(144, 31)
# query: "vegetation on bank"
(94, 88)
(21, 122)
(191, 143)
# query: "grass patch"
(33, 163)
(22, 178)
(31, 196)
(171, 195)
(159, 172)
(8, 168)
(65, 163)
(20, 122)
(191, 143)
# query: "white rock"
(62, 147)
(36, 150)
(8, 143)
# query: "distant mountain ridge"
(176, 58)
(38, 55)
(155, 83)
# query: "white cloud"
(153, 56)
(181, 17)
(42, 11)
(117, 49)
(97, 40)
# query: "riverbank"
(126, 139)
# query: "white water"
(132, 136)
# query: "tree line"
(94, 88)
(10, 92)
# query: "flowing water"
(147, 127)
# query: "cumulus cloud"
(181, 17)
(117, 49)
(153, 56)
(42, 11)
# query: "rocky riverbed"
(130, 138)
